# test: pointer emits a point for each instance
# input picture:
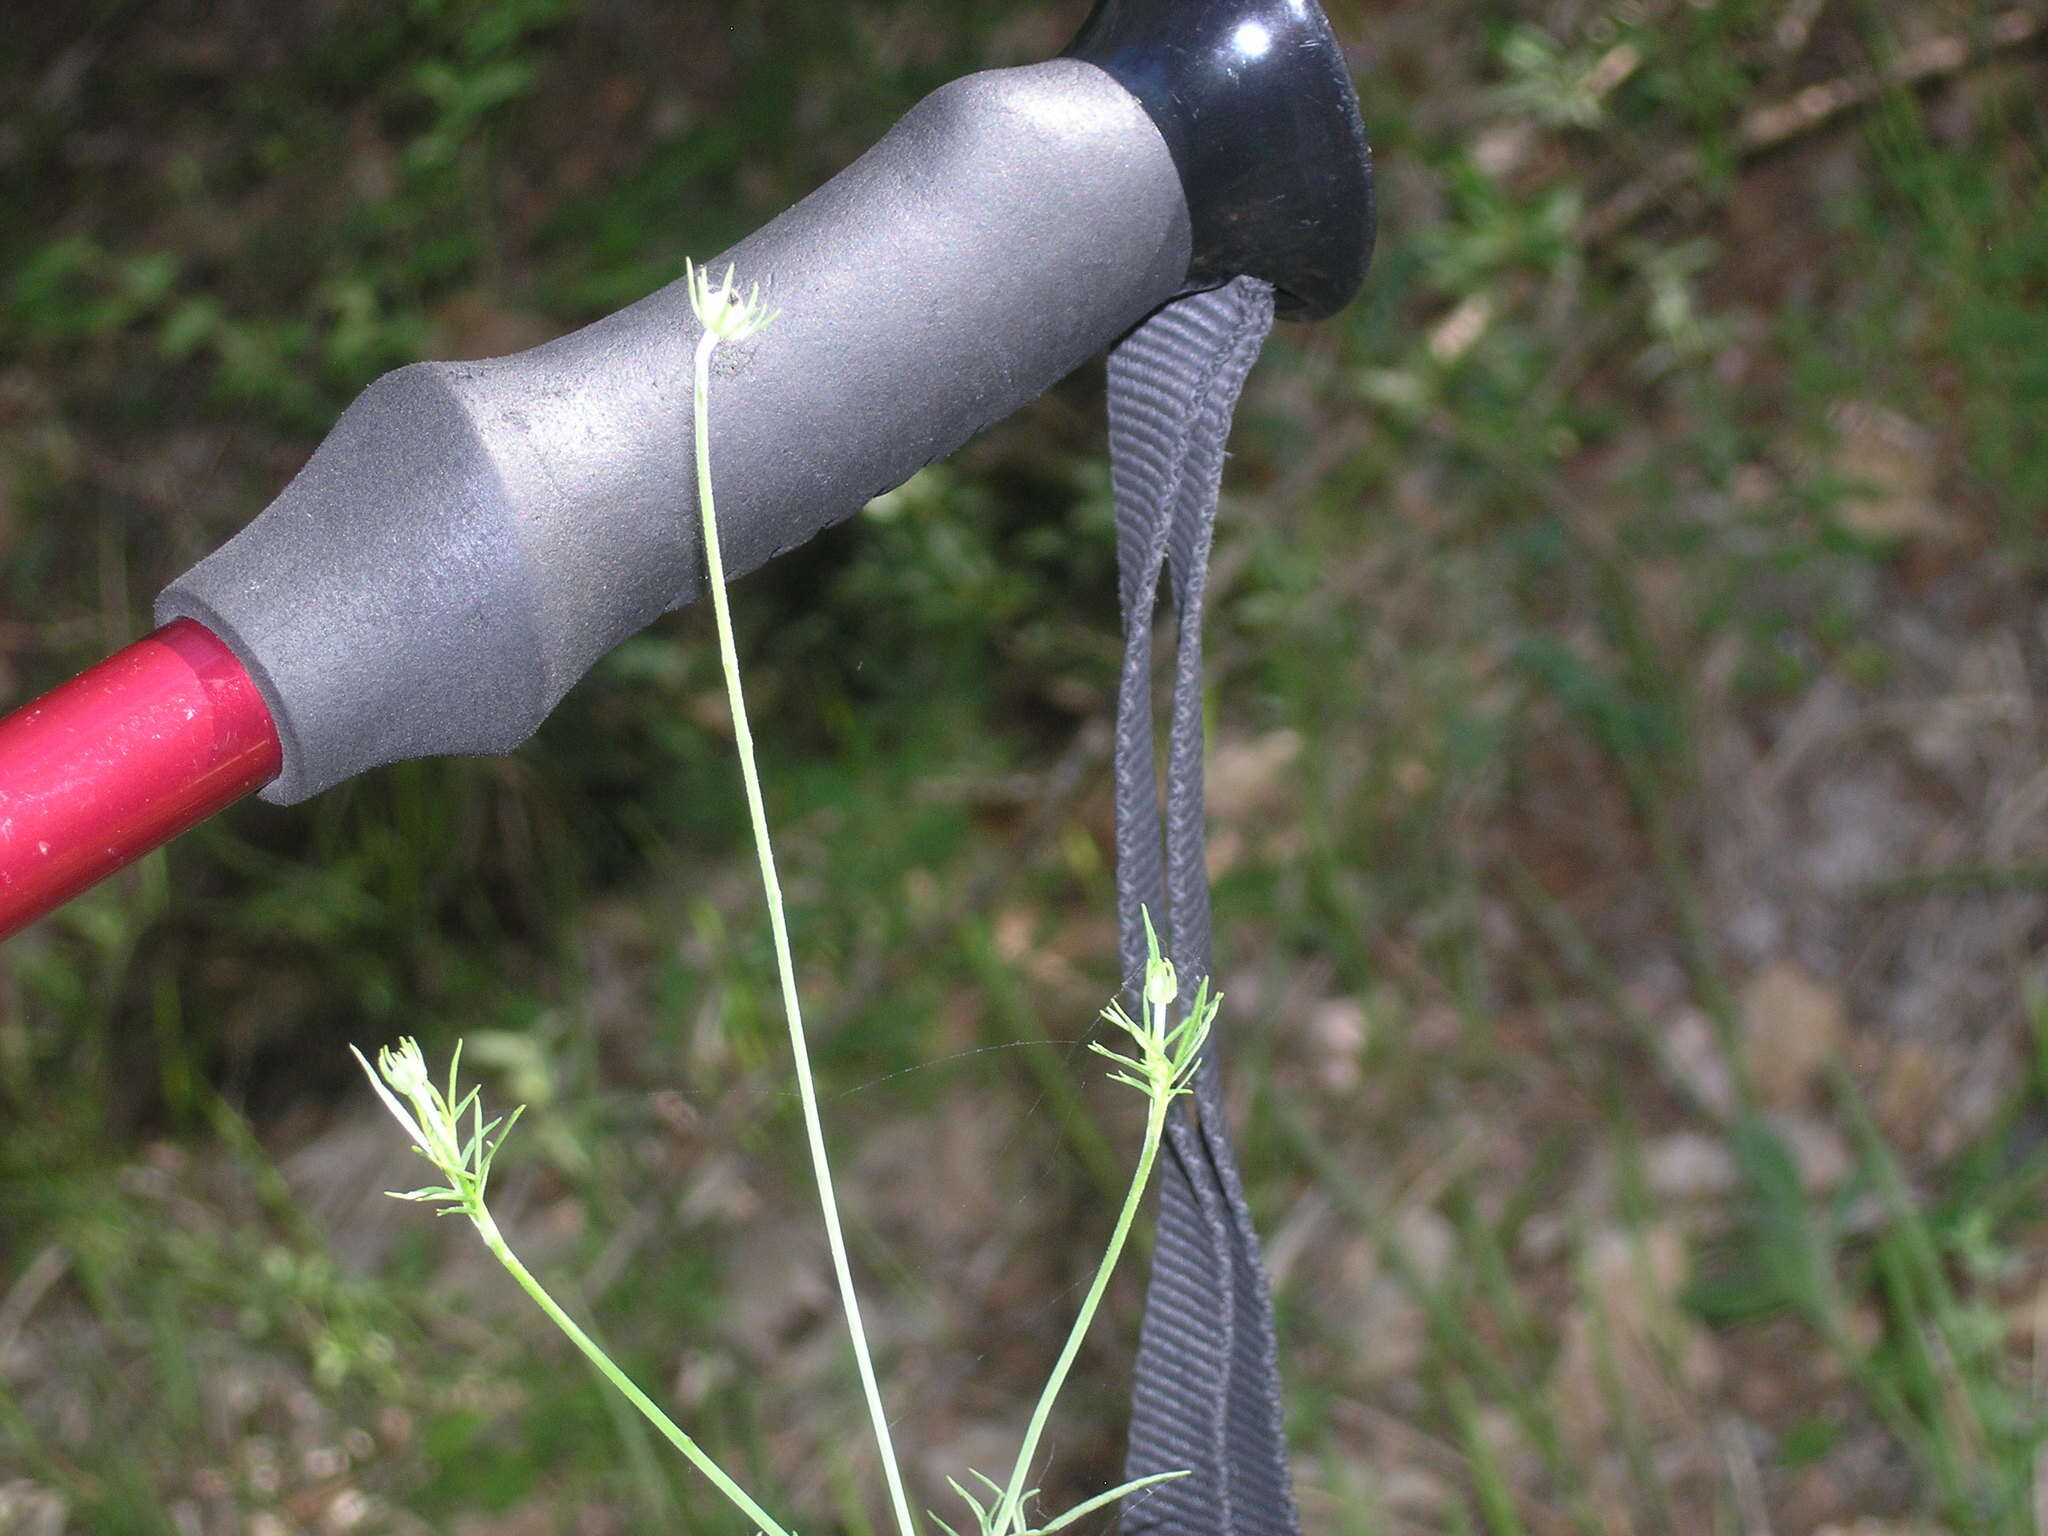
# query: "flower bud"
(405, 1068)
(1162, 986)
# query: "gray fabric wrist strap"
(1206, 1396)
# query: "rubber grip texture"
(472, 537)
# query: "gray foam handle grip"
(471, 537)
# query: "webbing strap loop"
(1206, 1395)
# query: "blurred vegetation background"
(1630, 803)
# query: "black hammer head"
(1257, 108)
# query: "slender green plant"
(448, 1129)
(726, 315)
(1162, 1060)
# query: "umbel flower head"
(725, 313)
(435, 1121)
(1167, 1054)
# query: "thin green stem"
(813, 1128)
(494, 1240)
(1010, 1513)
(448, 1129)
